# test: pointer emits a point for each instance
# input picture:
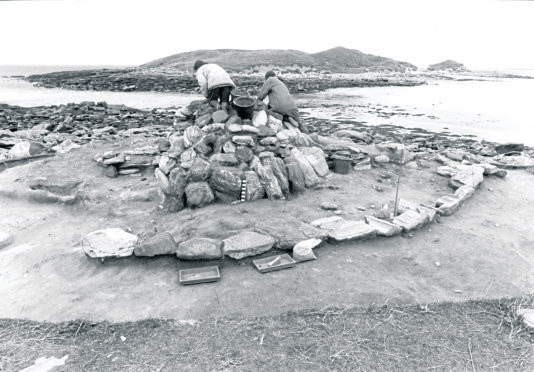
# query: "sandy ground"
(484, 250)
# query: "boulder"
(259, 118)
(279, 169)
(219, 116)
(410, 220)
(464, 192)
(268, 141)
(381, 159)
(235, 128)
(226, 180)
(468, 175)
(243, 140)
(255, 189)
(303, 250)
(275, 123)
(396, 152)
(310, 177)
(382, 227)
(251, 129)
(316, 158)
(265, 131)
(351, 230)
(187, 158)
(224, 159)
(247, 243)
(448, 204)
(203, 120)
(163, 182)
(166, 163)
(509, 147)
(269, 181)
(191, 135)
(295, 176)
(178, 180)
(229, 147)
(198, 194)
(244, 154)
(199, 171)
(492, 170)
(206, 144)
(200, 249)
(289, 231)
(302, 140)
(156, 245)
(111, 171)
(113, 242)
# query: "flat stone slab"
(470, 176)
(327, 223)
(382, 227)
(289, 232)
(156, 245)
(351, 230)
(246, 244)
(112, 242)
(200, 249)
(448, 204)
(411, 220)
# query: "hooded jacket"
(280, 99)
(210, 76)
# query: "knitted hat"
(198, 63)
(269, 74)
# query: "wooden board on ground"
(200, 275)
(273, 263)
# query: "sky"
(482, 34)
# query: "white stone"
(316, 158)
(351, 230)
(303, 251)
(259, 118)
(411, 220)
(382, 227)
(113, 242)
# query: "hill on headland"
(448, 65)
(336, 60)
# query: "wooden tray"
(273, 263)
(200, 275)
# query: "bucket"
(236, 93)
(342, 166)
(244, 107)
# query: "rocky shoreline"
(130, 80)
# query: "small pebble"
(437, 264)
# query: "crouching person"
(215, 83)
(280, 100)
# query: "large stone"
(200, 249)
(203, 120)
(289, 231)
(229, 147)
(411, 220)
(268, 141)
(316, 158)
(269, 181)
(178, 181)
(302, 140)
(156, 245)
(303, 251)
(448, 204)
(295, 176)
(163, 182)
(219, 116)
(244, 154)
(166, 163)
(310, 177)
(243, 140)
(265, 131)
(382, 227)
(279, 169)
(247, 243)
(275, 123)
(191, 135)
(198, 194)
(351, 230)
(468, 175)
(137, 161)
(226, 180)
(113, 242)
(251, 129)
(206, 144)
(492, 170)
(254, 189)
(516, 161)
(199, 171)
(224, 159)
(509, 147)
(5, 238)
(464, 192)
(56, 185)
(396, 152)
(187, 158)
(259, 118)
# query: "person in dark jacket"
(215, 83)
(280, 100)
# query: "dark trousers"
(221, 94)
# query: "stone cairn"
(215, 155)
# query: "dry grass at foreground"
(474, 336)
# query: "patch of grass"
(474, 336)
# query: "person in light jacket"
(215, 83)
(280, 100)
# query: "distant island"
(448, 65)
